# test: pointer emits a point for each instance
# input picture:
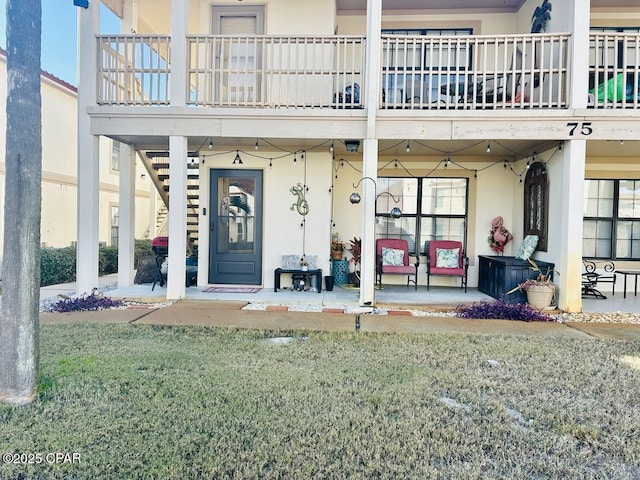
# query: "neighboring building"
(458, 111)
(60, 170)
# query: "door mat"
(233, 289)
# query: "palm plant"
(541, 16)
(355, 249)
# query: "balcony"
(476, 72)
(614, 70)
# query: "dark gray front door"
(235, 252)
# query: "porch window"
(115, 156)
(612, 219)
(115, 225)
(432, 209)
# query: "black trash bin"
(328, 283)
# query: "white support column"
(176, 276)
(570, 254)
(179, 22)
(579, 58)
(129, 16)
(88, 153)
(370, 154)
(368, 254)
(126, 213)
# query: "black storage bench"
(499, 274)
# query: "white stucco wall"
(282, 233)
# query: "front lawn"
(184, 403)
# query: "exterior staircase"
(157, 165)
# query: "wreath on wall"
(499, 236)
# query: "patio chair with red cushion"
(446, 257)
(392, 257)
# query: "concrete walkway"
(232, 315)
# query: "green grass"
(187, 403)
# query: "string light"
(331, 147)
(210, 144)
(270, 162)
(489, 147)
(408, 147)
(256, 146)
(295, 158)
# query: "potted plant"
(540, 291)
(337, 249)
(355, 249)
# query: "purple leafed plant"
(501, 310)
(85, 303)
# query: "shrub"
(85, 303)
(501, 310)
(57, 265)
(142, 249)
(107, 260)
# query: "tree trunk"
(21, 250)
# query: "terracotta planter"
(541, 296)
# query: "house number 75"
(585, 128)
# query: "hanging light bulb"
(475, 174)
(210, 143)
(270, 162)
(489, 147)
(505, 163)
(256, 146)
(237, 160)
(331, 147)
(295, 158)
(395, 163)
(528, 166)
(408, 147)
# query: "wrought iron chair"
(594, 272)
(446, 257)
(392, 257)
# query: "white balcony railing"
(418, 72)
(268, 71)
(614, 70)
(475, 71)
(133, 69)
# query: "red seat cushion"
(447, 271)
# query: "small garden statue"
(499, 236)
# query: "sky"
(59, 36)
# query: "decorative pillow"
(527, 248)
(447, 257)
(392, 256)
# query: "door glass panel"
(236, 221)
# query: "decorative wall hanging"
(301, 205)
